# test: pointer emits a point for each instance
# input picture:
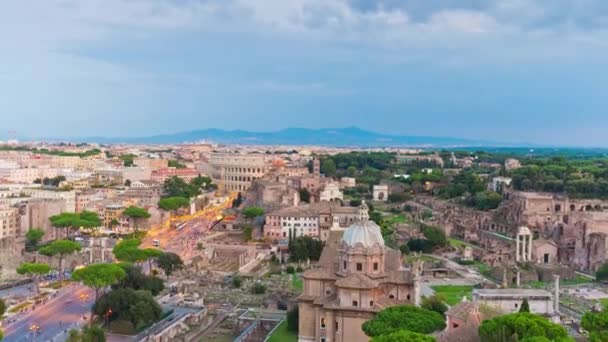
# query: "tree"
(177, 187)
(403, 336)
(435, 235)
(596, 323)
(525, 306)
(304, 195)
(169, 262)
(128, 250)
(328, 167)
(69, 221)
(34, 236)
(398, 197)
(304, 247)
(404, 317)
(60, 248)
(258, 288)
(99, 276)
(136, 214)
(88, 334)
(114, 223)
(293, 320)
(135, 279)
(34, 270)
(128, 183)
(137, 307)
(237, 281)
(519, 326)
(248, 232)
(253, 212)
(237, 201)
(435, 303)
(173, 203)
(602, 273)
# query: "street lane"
(53, 317)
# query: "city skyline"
(507, 71)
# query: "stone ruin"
(579, 228)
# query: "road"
(193, 229)
(54, 317)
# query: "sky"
(502, 70)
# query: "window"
(515, 305)
(371, 303)
(391, 296)
(337, 326)
(322, 322)
(322, 339)
(454, 325)
(375, 266)
(355, 303)
(359, 266)
(344, 265)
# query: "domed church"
(357, 277)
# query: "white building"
(499, 183)
(331, 192)
(509, 300)
(380, 192)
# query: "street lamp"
(35, 329)
(108, 314)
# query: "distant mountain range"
(338, 137)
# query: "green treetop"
(60, 248)
(519, 326)
(34, 270)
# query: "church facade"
(357, 277)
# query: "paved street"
(54, 317)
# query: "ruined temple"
(577, 227)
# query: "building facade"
(235, 172)
(358, 277)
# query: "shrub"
(404, 317)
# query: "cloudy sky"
(507, 70)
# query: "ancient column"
(518, 279)
(517, 245)
(556, 295)
(530, 247)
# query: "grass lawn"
(458, 243)
(426, 258)
(604, 302)
(453, 293)
(396, 219)
(297, 283)
(281, 334)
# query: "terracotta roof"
(399, 277)
(357, 281)
(319, 273)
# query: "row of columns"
(523, 247)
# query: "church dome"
(366, 233)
